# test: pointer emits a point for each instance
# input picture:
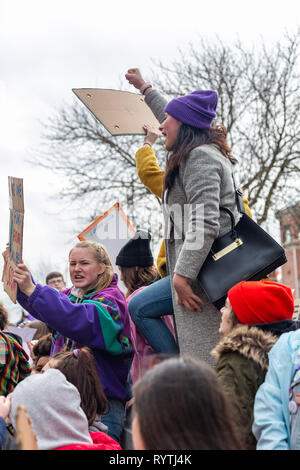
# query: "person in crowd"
(179, 404)
(276, 408)
(40, 353)
(5, 405)
(92, 313)
(136, 264)
(157, 299)
(59, 422)
(254, 316)
(79, 368)
(14, 361)
(56, 280)
(198, 175)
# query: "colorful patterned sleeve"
(25, 367)
(14, 364)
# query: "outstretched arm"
(135, 78)
(152, 98)
(89, 323)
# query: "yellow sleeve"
(148, 170)
(152, 177)
(246, 205)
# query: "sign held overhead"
(120, 112)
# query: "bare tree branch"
(259, 103)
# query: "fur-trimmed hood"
(251, 342)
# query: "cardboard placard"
(120, 112)
(16, 198)
(112, 229)
(9, 286)
(16, 222)
(25, 333)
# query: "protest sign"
(112, 229)
(120, 112)
(9, 286)
(15, 243)
(25, 333)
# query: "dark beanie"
(136, 252)
(198, 109)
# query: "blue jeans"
(146, 309)
(114, 419)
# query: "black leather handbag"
(246, 253)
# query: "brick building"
(289, 220)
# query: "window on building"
(287, 235)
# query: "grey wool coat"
(192, 222)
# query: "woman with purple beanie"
(197, 181)
(92, 313)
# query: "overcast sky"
(49, 47)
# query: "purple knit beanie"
(198, 109)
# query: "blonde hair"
(101, 256)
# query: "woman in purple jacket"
(92, 313)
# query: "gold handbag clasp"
(237, 242)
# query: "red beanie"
(256, 302)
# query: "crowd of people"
(158, 367)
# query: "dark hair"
(42, 347)
(79, 369)
(41, 328)
(180, 405)
(137, 276)
(52, 275)
(188, 138)
(3, 317)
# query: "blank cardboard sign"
(120, 112)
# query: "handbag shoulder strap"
(238, 198)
